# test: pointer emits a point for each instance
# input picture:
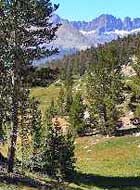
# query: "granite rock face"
(74, 36)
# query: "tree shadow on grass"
(113, 183)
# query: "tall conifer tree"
(24, 29)
(105, 87)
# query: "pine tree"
(68, 159)
(58, 154)
(61, 102)
(68, 85)
(24, 129)
(37, 136)
(76, 115)
(134, 84)
(48, 156)
(24, 28)
(104, 88)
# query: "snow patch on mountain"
(123, 32)
(88, 33)
(73, 36)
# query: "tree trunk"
(14, 125)
(15, 79)
(103, 116)
(13, 142)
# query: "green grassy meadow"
(45, 95)
(118, 156)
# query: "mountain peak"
(104, 28)
(73, 36)
(106, 16)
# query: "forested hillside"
(82, 59)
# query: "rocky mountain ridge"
(74, 36)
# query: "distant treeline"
(42, 76)
(81, 61)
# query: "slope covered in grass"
(45, 95)
(108, 163)
(116, 156)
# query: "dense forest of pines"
(36, 143)
(101, 70)
(81, 61)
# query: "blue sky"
(89, 9)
